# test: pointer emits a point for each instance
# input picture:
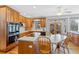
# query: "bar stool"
(44, 45)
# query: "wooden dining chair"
(44, 44)
(65, 44)
(58, 47)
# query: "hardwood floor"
(72, 48)
(12, 51)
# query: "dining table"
(55, 39)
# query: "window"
(74, 25)
(36, 24)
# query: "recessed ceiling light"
(34, 7)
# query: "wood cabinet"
(16, 16)
(43, 22)
(7, 14)
(26, 33)
(29, 23)
(24, 19)
(25, 47)
(26, 28)
(2, 28)
(75, 38)
(12, 15)
(20, 18)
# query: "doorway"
(55, 27)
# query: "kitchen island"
(28, 45)
(25, 45)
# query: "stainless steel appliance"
(13, 32)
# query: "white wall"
(50, 21)
(65, 21)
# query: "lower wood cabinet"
(26, 34)
(75, 39)
(25, 47)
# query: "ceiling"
(46, 10)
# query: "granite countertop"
(53, 38)
(74, 32)
(25, 38)
(23, 31)
(31, 30)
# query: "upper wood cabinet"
(20, 18)
(43, 22)
(16, 16)
(29, 23)
(12, 15)
(24, 19)
(8, 14)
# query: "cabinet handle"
(30, 46)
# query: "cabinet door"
(26, 47)
(26, 24)
(11, 15)
(20, 18)
(24, 19)
(43, 22)
(8, 15)
(29, 23)
(16, 16)
(3, 28)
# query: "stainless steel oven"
(13, 32)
